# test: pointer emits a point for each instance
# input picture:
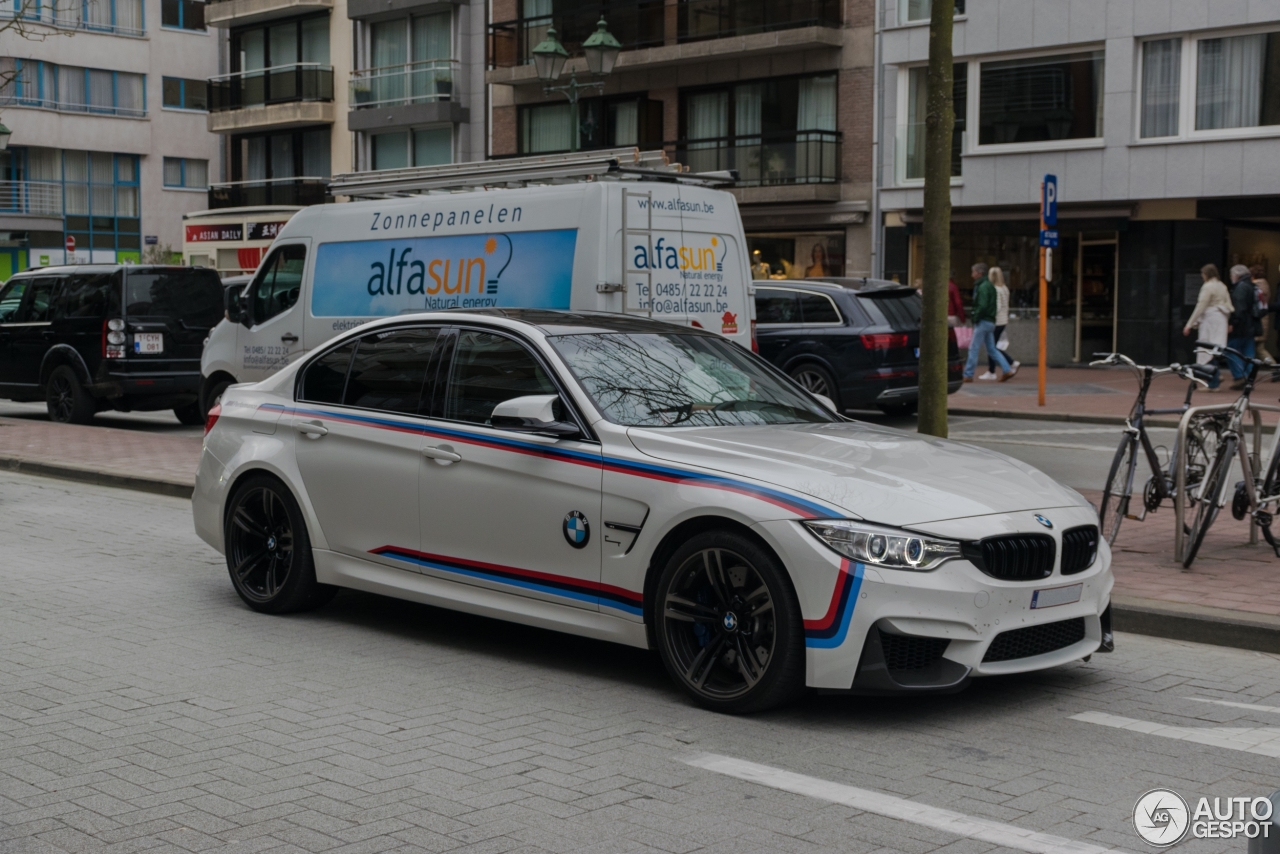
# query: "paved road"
(162, 421)
(142, 707)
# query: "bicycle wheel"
(1119, 488)
(1210, 498)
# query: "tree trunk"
(940, 120)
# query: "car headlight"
(878, 546)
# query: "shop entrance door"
(1097, 291)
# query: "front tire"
(212, 394)
(1212, 490)
(66, 399)
(191, 415)
(728, 625)
(1119, 489)
(815, 379)
(269, 551)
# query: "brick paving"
(144, 708)
(110, 450)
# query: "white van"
(332, 267)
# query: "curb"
(98, 478)
(1113, 420)
(1196, 623)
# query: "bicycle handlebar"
(1191, 373)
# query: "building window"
(1161, 82)
(1238, 82)
(182, 14)
(69, 88)
(276, 45)
(186, 173)
(122, 17)
(921, 10)
(285, 156)
(421, 147)
(181, 94)
(100, 198)
(779, 131)
(912, 130)
(602, 123)
(408, 62)
(1041, 99)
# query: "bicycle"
(1254, 494)
(1118, 491)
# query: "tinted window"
(190, 295)
(92, 295)
(488, 369)
(816, 308)
(11, 300)
(897, 308)
(325, 377)
(776, 306)
(278, 283)
(389, 368)
(40, 299)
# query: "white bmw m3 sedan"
(649, 484)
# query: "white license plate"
(148, 342)
(1053, 596)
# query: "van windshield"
(191, 296)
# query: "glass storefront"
(796, 255)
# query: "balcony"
(404, 95)
(228, 13)
(639, 23)
(71, 18)
(277, 191)
(768, 160)
(280, 97)
(31, 205)
(718, 19)
(133, 112)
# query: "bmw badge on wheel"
(576, 530)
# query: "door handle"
(311, 429)
(46, 333)
(441, 454)
(289, 338)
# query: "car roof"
(557, 322)
(834, 284)
(69, 269)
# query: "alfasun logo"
(1161, 817)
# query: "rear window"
(191, 296)
(896, 308)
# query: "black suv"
(857, 341)
(96, 337)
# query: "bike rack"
(1180, 466)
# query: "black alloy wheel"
(729, 628)
(66, 399)
(816, 380)
(269, 551)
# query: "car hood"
(869, 472)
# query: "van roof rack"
(605, 164)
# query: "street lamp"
(549, 58)
(5, 133)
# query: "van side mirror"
(232, 303)
(534, 413)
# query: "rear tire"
(268, 549)
(211, 394)
(66, 399)
(728, 625)
(1119, 489)
(1215, 481)
(816, 379)
(191, 415)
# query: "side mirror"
(826, 401)
(534, 413)
(231, 304)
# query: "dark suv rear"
(97, 337)
(857, 341)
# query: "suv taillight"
(113, 338)
(884, 340)
(212, 418)
(755, 345)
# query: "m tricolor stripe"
(830, 631)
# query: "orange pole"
(1044, 307)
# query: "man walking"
(1245, 321)
(984, 327)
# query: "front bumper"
(946, 626)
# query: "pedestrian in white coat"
(1213, 307)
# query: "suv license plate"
(148, 342)
(1053, 596)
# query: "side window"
(277, 286)
(816, 308)
(488, 369)
(389, 369)
(326, 377)
(40, 300)
(11, 300)
(776, 306)
(94, 295)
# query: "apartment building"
(1161, 120)
(781, 92)
(106, 101)
(314, 87)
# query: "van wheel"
(728, 625)
(66, 399)
(211, 394)
(191, 415)
(815, 380)
(269, 551)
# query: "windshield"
(191, 296)
(676, 380)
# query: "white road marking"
(995, 832)
(1236, 705)
(1262, 740)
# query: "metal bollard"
(1270, 843)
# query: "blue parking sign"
(1049, 200)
